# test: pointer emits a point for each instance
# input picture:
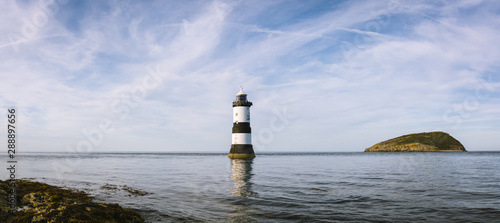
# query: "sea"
(281, 187)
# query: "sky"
(328, 76)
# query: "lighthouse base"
(242, 151)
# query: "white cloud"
(395, 78)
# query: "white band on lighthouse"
(241, 114)
(242, 138)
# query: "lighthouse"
(241, 147)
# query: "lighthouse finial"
(241, 91)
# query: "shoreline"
(42, 202)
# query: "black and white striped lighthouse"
(241, 147)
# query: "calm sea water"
(320, 187)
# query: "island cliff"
(420, 142)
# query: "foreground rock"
(420, 142)
(45, 203)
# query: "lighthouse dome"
(241, 99)
(241, 96)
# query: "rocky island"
(40, 202)
(420, 142)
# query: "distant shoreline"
(435, 151)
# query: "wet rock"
(46, 203)
(129, 190)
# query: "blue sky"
(96, 76)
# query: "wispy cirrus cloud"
(345, 69)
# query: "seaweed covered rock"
(420, 142)
(41, 202)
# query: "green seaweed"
(134, 192)
(48, 203)
(131, 191)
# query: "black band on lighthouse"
(242, 103)
(242, 149)
(242, 127)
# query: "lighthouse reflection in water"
(242, 173)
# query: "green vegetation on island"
(420, 142)
(40, 202)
